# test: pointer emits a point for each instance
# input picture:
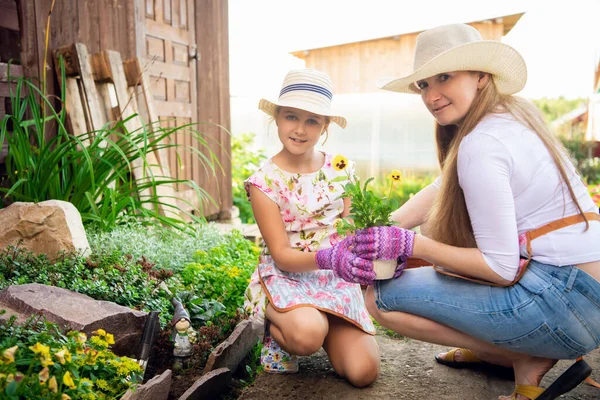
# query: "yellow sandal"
(531, 392)
(468, 356)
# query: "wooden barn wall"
(164, 31)
(10, 49)
(356, 67)
(99, 24)
(213, 95)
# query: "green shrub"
(38, 362)
(404, 190)
(104, 276)
(166, 248)
(223, 272)
(244, 164)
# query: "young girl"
(295, 198)
(509, 210)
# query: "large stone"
(156, 388)
(233, 350)
(76, 311)
(48, 227)
(210, 386)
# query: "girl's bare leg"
(300, 331)
(353, 353)
(528, 370)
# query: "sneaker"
(274, 359)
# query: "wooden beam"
(112, 65)
(14, 70)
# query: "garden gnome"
(181, 324)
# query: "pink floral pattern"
(309, 205)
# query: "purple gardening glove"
(384, 243)
(345, 263)
(400, 267)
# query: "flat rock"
(209, 386)
(76, 311)
(233, 350)
(156, 388)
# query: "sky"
(559, 40)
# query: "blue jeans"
(552, 312)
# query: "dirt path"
(408, 371)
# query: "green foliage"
(166, 248)
(202, 311)
(105, 276)
(94, 171)
(368, 208)
(222, 273)
(402, 191)
(374, 204)
(38, 362)
(552, 109)
(244, 163)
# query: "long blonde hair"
(449, 218)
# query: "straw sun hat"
(306, 89)
(459, 47)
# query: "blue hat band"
(307, 87)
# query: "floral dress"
(309, 205)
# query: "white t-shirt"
(511, 185)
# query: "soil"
(187, 371)
(408, 371)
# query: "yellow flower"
(100, 332)
(45, 360)
(395, 176)
(65, 397)
(337, 223)
(339, 162)
(81, 337)
(39, 348)
(110, 339)
(90, 356)
(63, 355)
(9, 354)
(44, 375)
(68, 380)
(53, 385)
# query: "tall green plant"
(245, 163)
(94, 171)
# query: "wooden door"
(168, 52)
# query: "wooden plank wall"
(213, 95)
(356, 67)
(99, 24)
(10, 50)
(123, 26)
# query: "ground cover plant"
(38, 361)
(209, 280)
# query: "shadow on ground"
(408, 371)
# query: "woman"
(504, 179)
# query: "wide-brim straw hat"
(459, 47)
(306, 89)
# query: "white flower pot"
(384, 269)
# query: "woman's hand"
(345, 263)
(384, 243)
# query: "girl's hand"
(345, 263)
(384, 243)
